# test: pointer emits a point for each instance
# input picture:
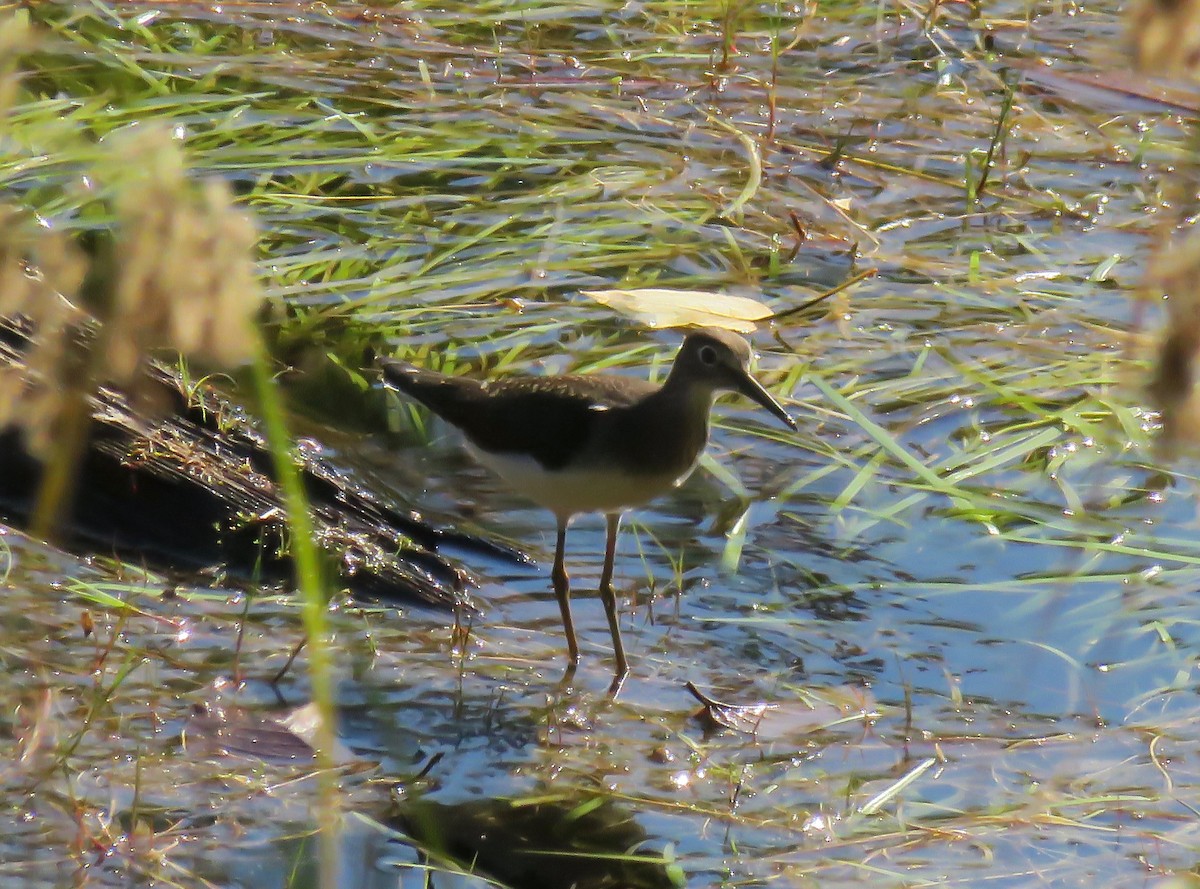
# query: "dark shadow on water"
(582, 842)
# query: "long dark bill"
(753, 389)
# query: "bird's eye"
(708, 355)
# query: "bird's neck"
(683, 394)
(681, 408)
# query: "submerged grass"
(973, 522)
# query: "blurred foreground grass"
(972, 527)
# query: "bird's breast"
(576, 488)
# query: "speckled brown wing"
(548, 418)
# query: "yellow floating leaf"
(660, 307)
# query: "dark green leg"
(562, 589)
(609, 596)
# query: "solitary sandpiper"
(591, 443)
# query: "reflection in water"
(555, 843)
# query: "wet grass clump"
(970, 565)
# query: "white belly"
(569, 491)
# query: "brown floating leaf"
(769, 722)
(233, 732)
(1117, 91)
(739, 717)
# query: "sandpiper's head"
(718, 359)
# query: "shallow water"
(970, 565)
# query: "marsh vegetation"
(964, 594)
